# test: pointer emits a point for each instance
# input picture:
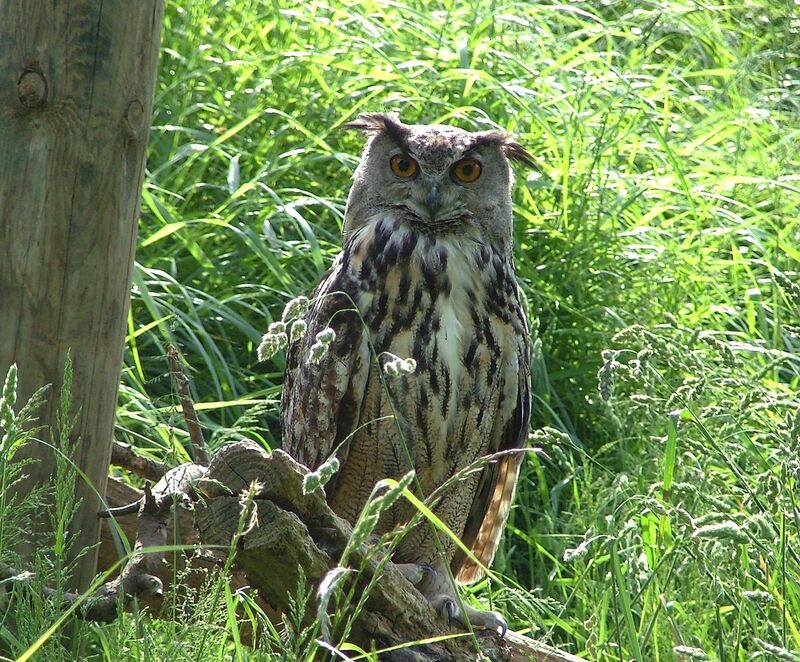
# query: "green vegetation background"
(658, 245)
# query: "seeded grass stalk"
(65, 505)
(17, 429)
(247, 521)
(49, 560)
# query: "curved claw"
(452, 609)
(446, 607)
(416, 573)
(489, 620)
(503, 629)
(429, 571)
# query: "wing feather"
(321, 400)
(492, 502)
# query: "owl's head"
(438, 179)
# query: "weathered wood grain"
(76, 89)
(297, 530)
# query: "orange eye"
(467, 171)
(403, 166)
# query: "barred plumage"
(438, 287)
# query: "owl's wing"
(322, 399)
(492, 502)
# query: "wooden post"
(76, 89)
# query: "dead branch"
(123, 456)
(177, 485)
(190, 567)
(117, 532)
(137, 579)
(197, 443)
(297, 530)
(295, 533)
(139, 576)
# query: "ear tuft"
(376, 123)
(516, 152)
(506, 143)
(371, 122)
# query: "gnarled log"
(297, 530)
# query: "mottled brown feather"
(492, 503)
(443, 292)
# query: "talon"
(489, 620)
(429, 571)
(415, 572)
(503, 630)
(452, 610)
(446, 607)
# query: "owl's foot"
(416, 572)
(448, 607)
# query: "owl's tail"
(490, 518)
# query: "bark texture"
(76, 89)
(292, 533)
(296, 530)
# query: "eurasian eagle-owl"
(425, 273)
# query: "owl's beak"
(433, 201)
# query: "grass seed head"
(321, 476)
(727, 530)
(297, 330)
(320, 348)
(295, 309)
(605, 376)
(397, 367)
(271, 344)
(691, 653)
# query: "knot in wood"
(32, 88)
(134, 119)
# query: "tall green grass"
(658, 245)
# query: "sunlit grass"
(667, 183)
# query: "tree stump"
(299, 531)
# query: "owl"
(429, 366)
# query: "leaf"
(670, 453)
(625, 603)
